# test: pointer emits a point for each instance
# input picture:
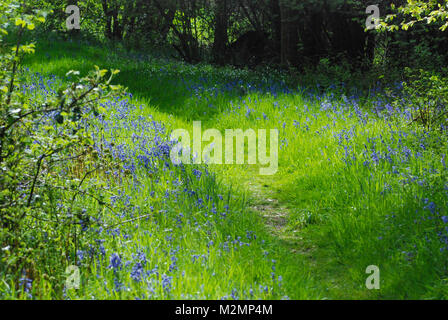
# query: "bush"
(46, 154)
(428, 94)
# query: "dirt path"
(263, 199)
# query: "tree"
(221, 38)
(431, 11)
(288, 32)
(35, 137)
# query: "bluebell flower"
(234, 294)
(26, 283)
(115, 261)
(197, 173)
(137, 272)
(166, 282)
(80, 255)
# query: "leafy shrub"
(428, 95)
(46, 154)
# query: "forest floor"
(321, 219)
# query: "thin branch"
(14, 67)
(129, 220)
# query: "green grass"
(341, 213)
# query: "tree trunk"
(276, 24)
(289, 33)
(221, 36)
(108, 17)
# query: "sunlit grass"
(363, 187)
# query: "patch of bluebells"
(115, 261)
(400, 158)
(26, 284)
(144, 151)
(137, 272)
(166, 282)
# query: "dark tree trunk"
(289, 33)
(221, 36)
(168, 21)
(108, 17)
(117, 31)
(276, 25)
(314, 36)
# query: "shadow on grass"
(188, 92)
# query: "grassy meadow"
(358, 184)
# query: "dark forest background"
(292, 34)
